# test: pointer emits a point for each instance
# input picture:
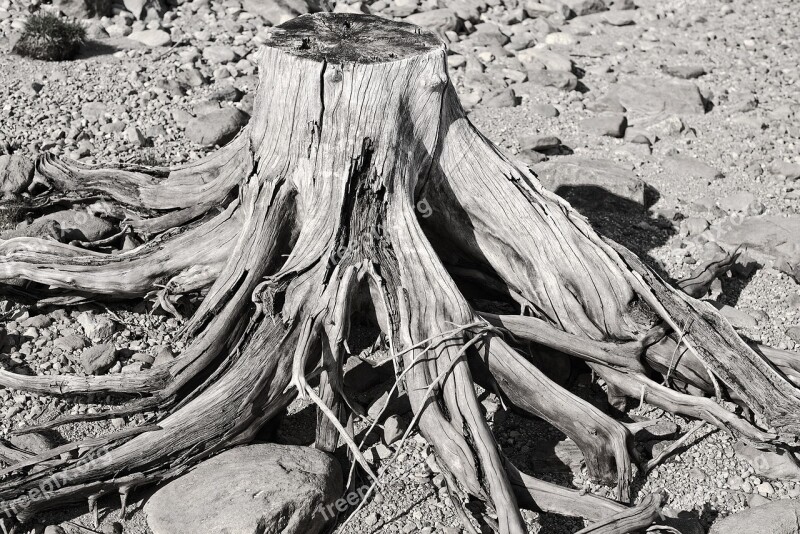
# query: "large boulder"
(778, 517)
(217, 127)
(263, 488)
(592, 183)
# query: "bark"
(360, 178)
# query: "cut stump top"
(350, 38)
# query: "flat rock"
(255, 489)
(608, 124)
(217, 127)
(650, 96)
(559, 79)
(768, 236)
(151, 37)
(436, 20)
(689, 167)
(551, 60)
(687, 72)
(577, 178)
(276, 11)
(779, 465)
(16, 172)
(778, 517)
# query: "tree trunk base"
(357, 176)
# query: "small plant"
(51, 38)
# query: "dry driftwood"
(314, 207)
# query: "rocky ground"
(673, 125)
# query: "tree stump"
(360, 178)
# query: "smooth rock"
(649, 96)
(439, 21)
(70, 343)
(767, 237)
(217, 127)
(563, 80)
(578, 178)
(16, 172)
(33, 442)
(539, 142)
(608, 124)
(219, 54)
(505, 98)
(778, 517)
(254, 489)
(551, 60)
(779, 465)
(687, 72)
(99, 358)
(690, 167)
(65, 226)
(790, 170)
(276, 11)
(738, 318)
(151, 38)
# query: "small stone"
(393, 429)
(99, 358)
(383, 451)
(371, 519)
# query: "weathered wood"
(312, 208)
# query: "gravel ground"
(119, 101)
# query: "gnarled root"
(318, 199)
